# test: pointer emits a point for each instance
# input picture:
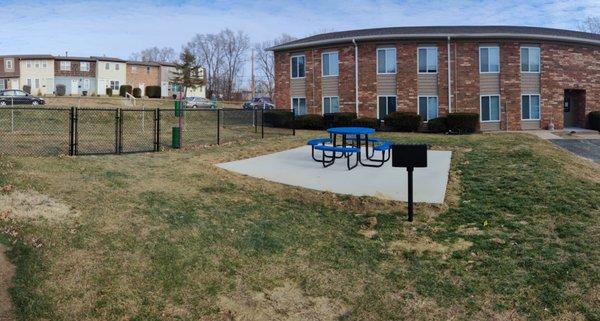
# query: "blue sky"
(117, 28)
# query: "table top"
(351, 130)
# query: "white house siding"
(104, 77)
(44, 75)
(81, 81)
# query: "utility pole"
(253, 85)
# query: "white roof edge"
(436, 35)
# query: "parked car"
(198, 102)
(259, 103)
(19, 97)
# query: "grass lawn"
(168, 236)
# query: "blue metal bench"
(316, 142)
(328, 160)
(384, 148)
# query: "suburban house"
(515, 78)
(9, 72)
(110, 73)
(37, 71)
(167, 73)
(141, 74)
(77, 74)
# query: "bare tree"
(265, 63)
(165, 54)
(209, 53)
(234, 57)
(590, 24)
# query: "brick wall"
(75, 70)
(510, 85)
(564, 66)
(14, 72)
(143, 76)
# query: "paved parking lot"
(588, 148)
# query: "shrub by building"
(125, 89)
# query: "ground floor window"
(428, 107)
(299, 105)
(2, 84)
(37, 83)
(331, 105)
(114, 85)
(530, 107)
(490, 108)
(386, 105)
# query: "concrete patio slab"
(296, 167)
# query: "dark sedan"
(11, 97)
(259, 103)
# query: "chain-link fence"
(93, 131)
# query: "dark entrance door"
(574, 108)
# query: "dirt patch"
(425, 244)
(7, 272)
(469, 230)
(33, 205)
(287, 302)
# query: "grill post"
(218, 126)
(293, 123)
(255, 118)
(262, 123)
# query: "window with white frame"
(331, 105)
(44, 64)
(29, 82)
(428, 59)
(530, 59)
(65, 65)
(86, 84)
(386, 60)
(8, 64)
(385, 105)
(28, 63)
(298, 66)
(114, 84)
(37, 83)
(299, 105)
(330, 64)
(37, 64)
(530, 107)
(489, 59)
(117, 66)
(428, 107)
(107, 66)
(84, 66)
(490, 108)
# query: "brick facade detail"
(564, 66)
(143, 74)
(75, 70)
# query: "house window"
(117, 67)
(428, 58)
(530, 59)
(330, 64)
(44, 64)
(37, 83)
(298, 67)
(37, 64)
(530, 107)
(386, 60)
(428, 107)
(28, 63)
(29, 82)
(331, 105)
(86, 84)
(65, 65)
(490, 108)
(299, 105)
(386, 105)
(114, 85)
(107, 66)
(489, 59)
(134, 69)
(147, 70)
(8, 64)
(84, 66)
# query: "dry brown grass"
(7, 271)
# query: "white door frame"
(74, 87)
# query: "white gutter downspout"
(355, 75)
(449, 79)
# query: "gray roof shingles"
(439, 32)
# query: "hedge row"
(594, 120)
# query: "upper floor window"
(65, 65)
(28, 63)
(44, 64)
(386, 60)
(107, 66)
(37, 64)
(428, 59)
(298, 66)
(117, 66)
(8, 64)
(489, 59)
(84, 66)
(330, 64)
(530, 59)
(147, 70)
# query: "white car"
(198, 102)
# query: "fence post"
(72, 131)
(255, 120)
(117, 130)
(76, 132)
(293, 123)
(157, 129)
(218, 126)
(262, 123)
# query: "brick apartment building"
(515, 78)
(141, 74)
(77, 74)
